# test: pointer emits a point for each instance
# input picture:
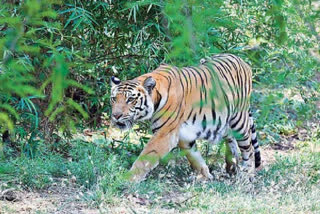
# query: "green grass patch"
(289, 184)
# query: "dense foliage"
(57, 58)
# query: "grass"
(288, 184)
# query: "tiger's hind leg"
(246, 149)
(241, 129)
(231, 154)
(195, 159)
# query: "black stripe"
(169, 117)
(186, 69)
(192, 143)
(193, 74)
(257, 159)
(204, 73)
(181, 83)
(204, 122)
(138, 108)
(242, 125)
(180, 107)
(245, 147)
(161, 115)
(219, 124)
(193, 68)
(236, 123)
(169, 87)
(205, 96)
(141, 103)
(208, 135)
(213, 112)
(194, 118)
(189, 114)
(145, 101)
(234, 117)
(244, 138)
(185, 78)
(171, 71)
(156, 105)
(253, 129)
(177, 115)
(217, 129)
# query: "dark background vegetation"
(56, 58)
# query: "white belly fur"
(188, 132)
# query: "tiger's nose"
(117, 115)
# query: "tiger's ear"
(149, 84)
(114, 81)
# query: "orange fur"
(191, 103)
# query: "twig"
(184, 201)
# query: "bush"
(57, 58)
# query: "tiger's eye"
(130, 99)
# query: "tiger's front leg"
(156, 148)
(195, 159)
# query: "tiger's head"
(131, 101)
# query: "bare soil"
(57, 199)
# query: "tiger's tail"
(254, 142)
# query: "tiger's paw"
(232, 168)
(247, 167)
(133, 176)
(259, 168)
(202, 179)
(136, 179)
(205, 173)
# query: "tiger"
(210, 101)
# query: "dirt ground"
(57, 199)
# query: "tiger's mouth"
(123, 125)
